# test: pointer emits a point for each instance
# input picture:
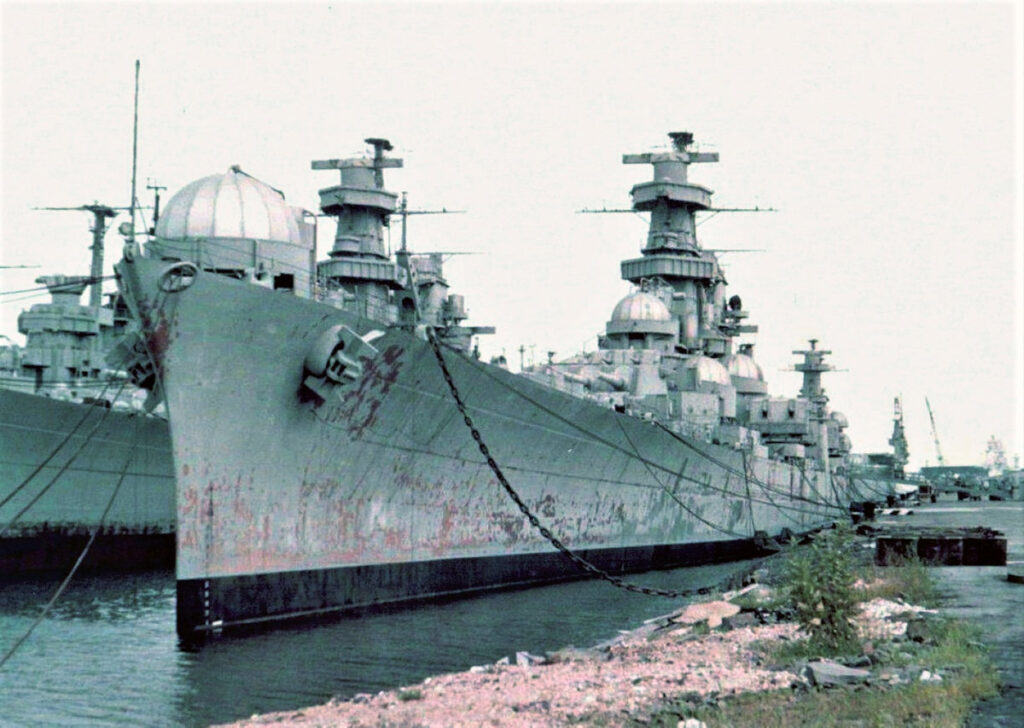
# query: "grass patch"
(793, 651)
(968, 675)
(407, 695)
(818, 579)
(909, 580)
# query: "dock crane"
(935, 434)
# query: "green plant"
(968, 675)
(818, 583)
(908, 579)
(407, 695)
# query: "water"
(107, 653)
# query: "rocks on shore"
(826, 672)
(705, 650)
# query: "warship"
(73, 431)
(882, 477)
(338, 443)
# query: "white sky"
(887, 135)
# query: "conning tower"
(674, 255)
(62, 336)
(360, 268)
(812, 367)
(900, 447)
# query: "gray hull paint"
(386, 473)
(76, 482)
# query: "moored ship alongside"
(322, 464)
(73, 434)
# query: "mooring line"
(534, 521)
(672, 495)
(611, 445)
(50, 457)
(78, 562)
(63, 469)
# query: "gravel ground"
(630, 675)
(626, 677)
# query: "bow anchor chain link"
(534, 521)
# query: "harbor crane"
(935, 434)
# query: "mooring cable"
(78, 562)
(613, 446)
(53, 454)
(670, 494)
(584, 564)
(782, 509)
(764, 486)
(863, 482)
(825, 501)
(86, 440)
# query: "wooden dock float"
(977, 546)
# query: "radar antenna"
(379, 147)
(404, 211)
(99, 230)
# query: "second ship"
(321, 461)
(85, 470)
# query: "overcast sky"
(887, 135)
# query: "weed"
(908, 579)
(818, 582)
(407, 695)
(968, 676)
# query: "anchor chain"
(524, 509)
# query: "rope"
(782, 510)
(672, 495)
(725, 466)
(50, 457)
(613, 446)
(534, 521)
(835, 490)
(810, 486)
(862, 482)
(59, 473)
(750, 504)
(388, 441)
(67, 579)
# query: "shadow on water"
(106, 597)
(108, 653)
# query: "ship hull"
(60, 463)
(378, 494)
(253, 600)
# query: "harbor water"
(107, 653)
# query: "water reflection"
(106, 597)
(108, 653)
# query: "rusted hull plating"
(384, 479)
(78, 453)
